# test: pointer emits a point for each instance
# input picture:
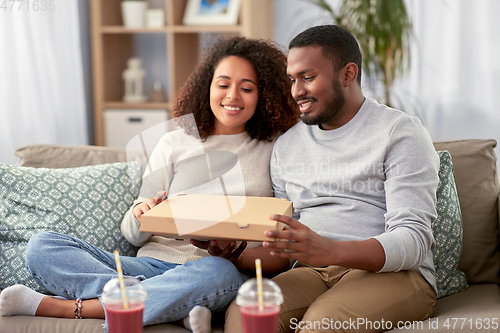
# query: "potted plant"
(133, 13)
(383, 29)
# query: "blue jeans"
(72, 268)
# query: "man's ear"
(350, 74)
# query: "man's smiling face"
(315, 86)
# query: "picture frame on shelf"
(212, 12)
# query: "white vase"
(133, 13)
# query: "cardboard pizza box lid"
(206, 217)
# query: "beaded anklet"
(78, 309)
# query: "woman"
(232, 108)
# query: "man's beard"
(332, 107)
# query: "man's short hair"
(336, 44)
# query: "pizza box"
(206, 217)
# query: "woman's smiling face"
(234, 94)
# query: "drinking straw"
(120, 279)
(260, 295)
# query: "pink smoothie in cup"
(255, 321)
(121, 320)
(118, 318)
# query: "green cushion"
(448, 232)
(86, 202)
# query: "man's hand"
(224, 249)
(314, 250)
(303, 244)
(147, 205)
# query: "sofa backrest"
(474, 164)
(56, 156)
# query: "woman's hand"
(224, 249)
(244, 262)
(147, 205)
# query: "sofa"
(470, 301)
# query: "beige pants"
(337, 299)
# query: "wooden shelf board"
(117, 29)
(208, 28)
(146, 105)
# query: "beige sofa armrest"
(474, 164)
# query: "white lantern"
(133, 76)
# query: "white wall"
(293, 16)
(454, 82)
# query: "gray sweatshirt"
(375, 177)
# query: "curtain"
(42, 96)
(453, 83)
(455, 75)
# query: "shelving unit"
(113, 45)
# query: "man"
(362, 178)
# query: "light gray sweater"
(182, 164)
(375, 177)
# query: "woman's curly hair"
(276, 109)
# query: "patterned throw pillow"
(86, 202)
(447, 229)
